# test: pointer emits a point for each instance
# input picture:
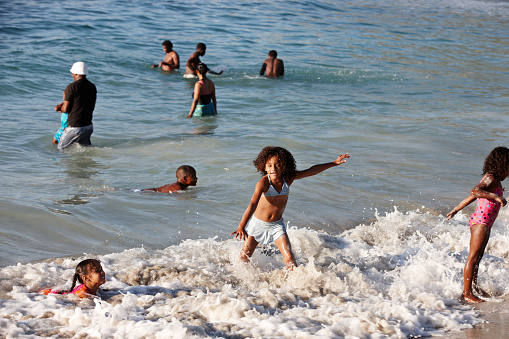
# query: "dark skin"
(194, 61)
(479, 236)
(184, 180)
(273, 66)
(171, 60)
(208, 87)
(270, 209)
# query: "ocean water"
(415, 91)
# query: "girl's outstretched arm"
(467, 201)
(240, 232)
(314, 170)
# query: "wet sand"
(497, 326)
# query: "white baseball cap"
(79, 68)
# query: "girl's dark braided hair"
(289, 168)
(202, 68)
(497, 163)
(82, 269)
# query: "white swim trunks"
(190, 76)
(265, 232)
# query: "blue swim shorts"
(204, 110)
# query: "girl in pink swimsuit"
(90, 274)
(489, 195)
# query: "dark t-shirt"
(81, 95)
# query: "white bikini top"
(271, 192)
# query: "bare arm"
(262, 71)
(216, 73)
(192, 62)
(483, 190)
(63, 107)
(171, 62)
(214, 98)
(467, 201)
(314, 170)
(197, 93)
(240, 232)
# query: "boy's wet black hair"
(167, 44)
(273, 54)
(289, 168)
(497, 163)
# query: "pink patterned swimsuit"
(487, 210)
(80, 290)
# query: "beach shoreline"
(496, 315)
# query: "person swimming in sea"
(90, 274)
(186, 176)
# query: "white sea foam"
(397, 277)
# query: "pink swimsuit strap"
(203, 85)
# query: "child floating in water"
(186, 176)
(265, 211)
(489, 195)
(90, 274)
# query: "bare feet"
(470, 298)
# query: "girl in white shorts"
(265, 211)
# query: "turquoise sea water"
(415, 91)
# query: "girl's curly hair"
(289, 168)
(497, 163)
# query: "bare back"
(273, 67)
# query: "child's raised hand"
(502, 201)
(341, 159)
(240, 233)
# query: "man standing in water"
(194, 61)
(79, 102)
(273, 66)
(171, 60)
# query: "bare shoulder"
(169, 188)
(263, 184)
(489, 182)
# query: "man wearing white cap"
(79, 102)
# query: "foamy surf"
(400, 276)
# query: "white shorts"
(190, 76)
(265, 232)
